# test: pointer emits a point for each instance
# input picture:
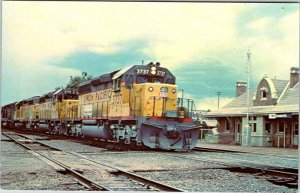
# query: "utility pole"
(182, 91)
(247, 127)
(219, 93)
(248, 83)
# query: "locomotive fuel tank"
(91, 128)
(43, 127)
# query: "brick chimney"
(241, 87)
(294, 76)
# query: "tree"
(57, 88)
(76, 80)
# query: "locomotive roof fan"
(157, 64)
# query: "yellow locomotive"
(26, 113)
(57, 110)
(137, 104)
(51, 112)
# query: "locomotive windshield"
(149, 79)
(144, 79)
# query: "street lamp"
(219, 93)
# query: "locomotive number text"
(161, 73)
(142, 71)
(148, 72)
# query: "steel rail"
(88, 183)
(118, 171)
(290, 179)
(241, 165)
(237, 151)
(259, 164)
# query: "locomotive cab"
(152, 91)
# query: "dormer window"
(264, 92)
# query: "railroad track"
(278, 175)
(206, 149)
(201, 149)
(108, 145)
(236, 158)
(34, 147)
(93, 175)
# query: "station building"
(273, 114)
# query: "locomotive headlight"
(68, 125)
(173, 90)
(112, 127)
(150, 89)
(133, 127)
(153, 70)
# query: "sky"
(204, 45)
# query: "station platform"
(285, 152)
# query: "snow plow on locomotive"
(137, 104)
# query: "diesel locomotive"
(137, 104)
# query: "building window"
(296, 128)
(238, 127)
(281, 127)
(117, 84)
(263, 94)
(227, 126)
(253, 127)
(250, 118)
(268, 128)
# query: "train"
(138, 105)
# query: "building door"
(237, 133)
(269, 134)
(281, 134)
(295, 134)
(288, 134)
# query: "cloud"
(211, 103)
(24, 82)
(204, 44)
(205, 103)
(274, 43)
(52, 29)
(176, 33)
(207, 77)
(260, 25)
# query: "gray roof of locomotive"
(87, 86)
